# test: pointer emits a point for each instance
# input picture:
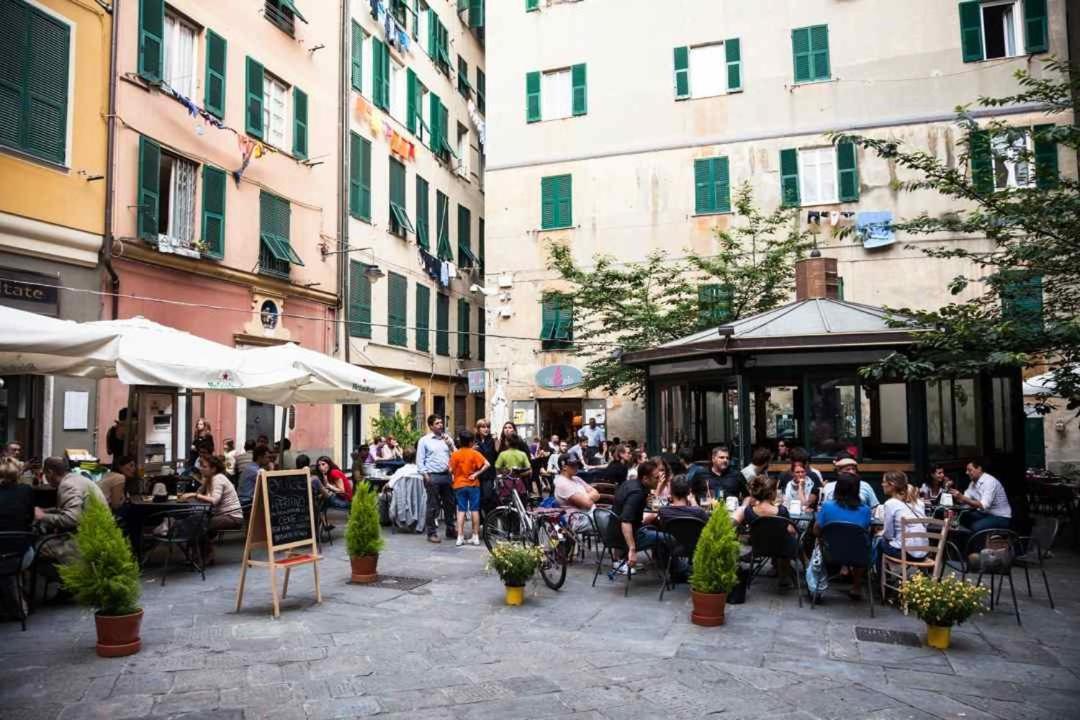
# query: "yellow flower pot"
(938, 637)
(515, 595)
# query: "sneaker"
(460, 541)
(475, 539)
(433, 539)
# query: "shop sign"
(30, 291)
(477, 381)
(558, 377)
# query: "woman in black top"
(485, 445)
(16, 504)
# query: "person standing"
(593, 434)
(467, 465)
(485, 445)
(433, 459)
(115, 438)
(986, 497)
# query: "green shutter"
(800, 50)
(789, 177)
(151, 46)
(213, 211)
(423, 318)
(982, 170)
(1036, 26)
(971, 38)
(547, 203)
(148, 198)
(397, 310)
(480, 243)
(433, 115)
(14, 66)
(253, 116)
(359, 177)
(557, 322)
(819, 52)
(1046, 158)
(300, 124)
(1022, 302)
(359, 301)
(216, 54)
(464, 220)
(580, 92)
(722, 181)
(704, 186)
(733, 55)
(476, 13)
(422, 213)
(682, 72)
(847, 172)
(380, 69)
(564, 214)
(442, 324)
(531, 5)
(532, 97)
(442, 226)
(463, 77)
(481, 91)
(463, 316)
(548, 313)
(412, 101)
(433, 35)
(399, 216)
(481, 335)
(357, 57)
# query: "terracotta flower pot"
(938, 637)
(515, 594)
(364, 568)
(708, 608)
(118, 635)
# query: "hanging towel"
(389, 25)
(834, 217)
(451, 270)
(444, 273)
(376, 6)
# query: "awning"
(290, 5)
(402, 218)
(35, 344)
(280, 248)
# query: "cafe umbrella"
(38, 345)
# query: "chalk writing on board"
(290, 514)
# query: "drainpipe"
(106, 251)
(341, 330)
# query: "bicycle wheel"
(549, 537)
(502, 524)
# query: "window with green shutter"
(423, 318)
(481, 90)
(148, 200)
(712, 186)
(480, 245)
(992, 30)
(982, 167)
(253, 115)
(733, 56)
(275, 252)
(356, 57)
(463, 86)
(789, 177)
(412, 101)
(714, 304)
(1046, 157)
(400, 223)
(216, 55)
(34, 60)
(1036, 26)
(481, 334)
(556, 205)
(151, 40)
(556, 321)
(359, 300)
(476, 13)
(442, 227)
(359, 177)
(1022, 300)
(438, 43)
(213, 211)
(580, 93)
(682, 72)
(847, 172)
(531, 5)
(397, 309)
(532, 97)
(439, 122)
(380, 74)
(810, 50)
(422, 213)
(464, 315)
(300, 124)
(442, 324)
(464, 228)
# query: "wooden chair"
(895, 571)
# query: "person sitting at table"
(618, 467)
(762, 502)
(935, 485)
(250, 473)
(846, 506)
(335, 482)
(554, 461)
(899, 507)
(215, 489)
(580, 451)
(759, 464)
(801, 487)
(573, 493)
(846, 465)
(121, 484)
(682, 504)
(72, 491)
(986, 496)
(719, 479)
(629, 505)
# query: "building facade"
(54, 93)
(630, 142)
(224, 192)
(414, 241)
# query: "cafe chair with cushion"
(990, 553)
(184, 528)
(610, 539)
(683, 535)
(770, 540)
(847, 545)
(13, 547)
(1036, 548)
(894, 571)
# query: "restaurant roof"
(801, 325)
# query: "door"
(460, 413)
(1034, 442)
(260, 420)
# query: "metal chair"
(187, 529)
(323, 529)
(850, 545)
(1006, 546)
(683, 535)
(771, 540)
(1036, 549)
(609, 532)
(44, 566)
(13, 547)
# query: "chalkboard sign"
(289, 501)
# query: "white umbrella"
(330, 380)
(38, 345)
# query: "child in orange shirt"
(467, 465)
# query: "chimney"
(816, 277)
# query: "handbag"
(817, 579)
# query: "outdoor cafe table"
(139, 509)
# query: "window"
(359, 177)
(1012, 160)
(359, 300)
(714, 304)
(274, 111)
(1001, 29)
(34, 82)
(463, 151)
(438, 122)
(437, 42)
(480, 245)
(300, 124)
(422, 213)
(463, 78)
(557, 322)
(399, 218)
(356, 57)
(166, 196)
(419, 110)
(275, 252)
(213, 211)
(556, 208)
(423, 318)
(283, 14)
(398, 91)
(481, 89)
(810, 52)
(819, 176)
(442, 324)
(466, 259)
(712, 187)
(442, 226)
(531, 5)
(708, 71)
(179, 48)
(556, 94)
(1022, 301)
(216, 54)
(397, 309)
(481, 332)
(953, 426)
(380, 74)
(464, 315)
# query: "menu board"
(288, 500)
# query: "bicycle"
(543, 527)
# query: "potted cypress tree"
(105, 576)
(363, 536)
(716, 565)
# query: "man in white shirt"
(986, 497)
(593, 435)
(553, 459)
(433, 460)
(759, 464)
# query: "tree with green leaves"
(627, 306)
(1026, 304)
(401, 427)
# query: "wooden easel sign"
(282, 521)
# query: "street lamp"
(371, 270)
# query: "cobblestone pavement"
(452, 649)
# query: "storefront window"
(833, 418)
(775, 414)
(952, 419)
(1003, 414)
(674, 415)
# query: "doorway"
(559, 417)
(260, 420)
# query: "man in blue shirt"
(250, 473)
(433, 460)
